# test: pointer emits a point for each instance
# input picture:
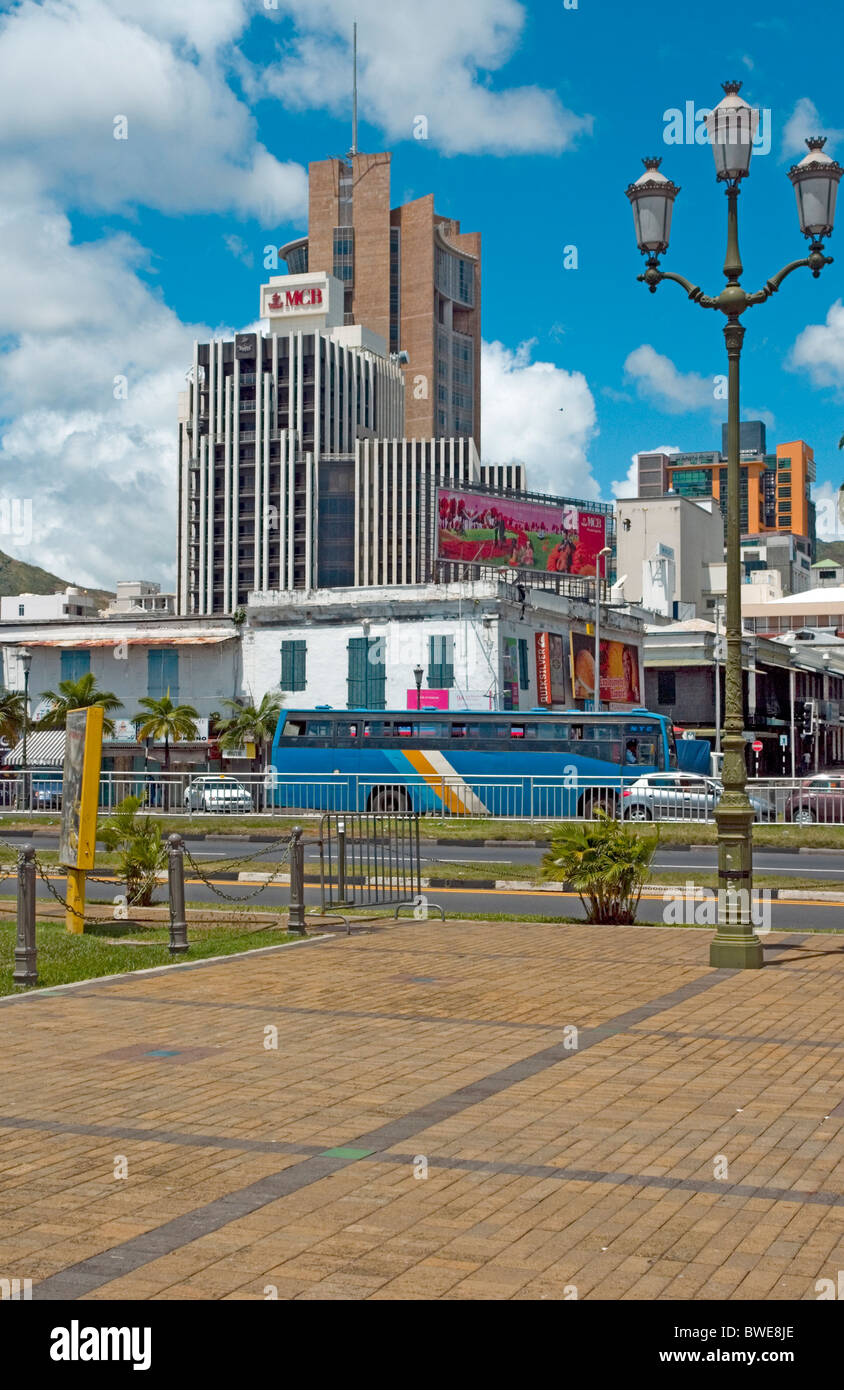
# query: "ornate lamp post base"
(735, 945)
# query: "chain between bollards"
(26, 967)
(296, 915)
(176, 886)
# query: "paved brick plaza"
(549, 1168)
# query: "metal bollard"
(341, 861)
(176, 885)
(26, 969)
(296, 915)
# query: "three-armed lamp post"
(732, 127)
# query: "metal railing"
(370, 861)
(816, 799)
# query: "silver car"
(217, 793)
(678, 796)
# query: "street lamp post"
(418, 673)
(26, 662)
(731, 128)
(718, 686)
(792, 676)
(607, 550)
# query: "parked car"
(217, 793)
(46, 793)
(818, 799)
(679, 796)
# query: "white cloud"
(100, 470)
(819, 349)
(190, 143)
(239, 249)
(658, 380)
(803, 122)
(538, 414)
(435, 61)
(629, 485)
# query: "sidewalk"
(429, 1124)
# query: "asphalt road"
(814, 864)
(520, 903)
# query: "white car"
(217, 793)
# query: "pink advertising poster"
(428, 699)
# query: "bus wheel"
(389, 801)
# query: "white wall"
(207, 673)
(38, 607)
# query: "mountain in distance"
(833, 551)
(17, 577)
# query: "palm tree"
(255, 723)
(12, 715)
(78, 694)
(162, 719)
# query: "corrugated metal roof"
(199, 640)
(44, 748)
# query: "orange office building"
(775, 488)
(409, 275)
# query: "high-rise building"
(774, 488)
(408, 274)
(262, 417)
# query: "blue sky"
(114, 255)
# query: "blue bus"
(532, 763)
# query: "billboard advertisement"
(620, 684)
(476, 528)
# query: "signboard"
(81, 787)
(543, 668)
(124, 731)
(559, 692)
(314, 297)
(757, 746)
(477, 528)
(620, 683)
(783, 740)
(429, 699)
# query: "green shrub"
(140, 847)
(605, 862)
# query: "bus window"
(576, 731)
(556, 731)
(402, 730)
(524, 731)
(319, 728)
(431, 730)
(294, 728)
(347, 730)
(378, 728)
(469, 730)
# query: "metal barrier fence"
(658, 797)
(25, 972)
(371, 861)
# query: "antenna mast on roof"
(354, 148)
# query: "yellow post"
(74, 918)
(80, 800)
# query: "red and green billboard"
(476, 528)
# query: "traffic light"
(808, 718)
